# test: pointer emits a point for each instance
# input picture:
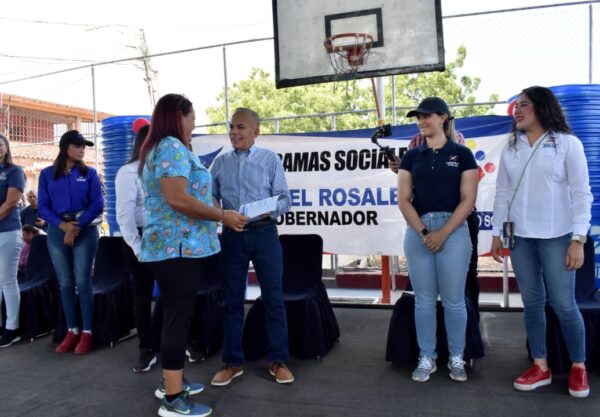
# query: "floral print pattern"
(168, 233)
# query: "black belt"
(68, 217)
(259, 223)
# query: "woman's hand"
(574, 259)
(234, 220)
(497, 249)
(434, 241)
(70, 227)
(71, 230)
(69, 239)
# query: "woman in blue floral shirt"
(181, 229)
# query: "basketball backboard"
(407, 37)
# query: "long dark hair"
(140, 136)
(8, 157)
(165, 122)
(547, 111)
(60, 163)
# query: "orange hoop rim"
(367, 43)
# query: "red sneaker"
(69, 342)
(578, 382)
(85, 344)
(533, 378)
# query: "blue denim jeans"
(540, 270)
(73, 268)
(442, 273)
(262, 247)
(10, 249)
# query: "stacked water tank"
(581, 104)
(117, 139)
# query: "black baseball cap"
(430, 105)
(73, 137)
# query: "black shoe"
(9, 338)
(194, 355)
(147, 359)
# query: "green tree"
(258, 92)
(412, 88)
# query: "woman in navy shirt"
(12, 183)
(70, 200)
(437, 186)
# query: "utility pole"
(150, 74)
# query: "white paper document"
(257, 208)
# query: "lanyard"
(512, 199)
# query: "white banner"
(343, 190)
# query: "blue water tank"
(581, 104)
(117, 139)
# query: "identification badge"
(508, 235)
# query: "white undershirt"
(130, 205)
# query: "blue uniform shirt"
(242, 177)
(71, 193)
(10, 177)
(436, 175)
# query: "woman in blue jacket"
(70, 200)
(12, 183)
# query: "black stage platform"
(353, 380)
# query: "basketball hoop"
(348, 52)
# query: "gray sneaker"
(425, 368)
(456, 365)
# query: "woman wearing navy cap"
(70, 200)
(12, 183)
(437, 187)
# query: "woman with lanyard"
(70, 200)
(181, 230)
(12, 183)
(543, 210)
(437, 186)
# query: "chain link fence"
(507, 49)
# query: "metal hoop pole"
(385, 260)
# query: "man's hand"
(497, 249)
(234, 220)
(40, 223)
(574, 258)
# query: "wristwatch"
(581, 239)
(424, 232)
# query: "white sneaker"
(425, 368)
(456, 365)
